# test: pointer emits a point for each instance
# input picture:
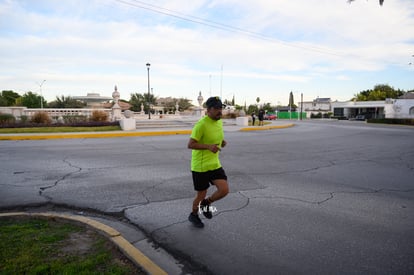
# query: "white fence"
(18, 112)
(55, 113)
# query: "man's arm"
(194, 145)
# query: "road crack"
(43, 188)
(331, 195)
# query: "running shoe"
(205, 208)
(195, 220)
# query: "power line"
(225, 27)
(232, 29)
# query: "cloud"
(85, 46)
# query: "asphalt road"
(318, 198)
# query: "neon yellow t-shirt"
(206, 131)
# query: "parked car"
(360, 117)
(270, 117)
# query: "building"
(94, 100)
(402, 107)
(316, 106)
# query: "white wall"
(400, 108)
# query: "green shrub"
(339, 117)
(99, 116)
(402, 121)
(24, 119)
(318, 115)
(7, 119)
(73, 119)
(327, 115)
(41, 118)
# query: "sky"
(229, 48)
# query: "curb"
(94, 135)
(127, 248)
(125, 134)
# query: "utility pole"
(41, 95)
(301, 105)
(149, 101)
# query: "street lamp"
(41, 95)
(301, 105)
(149, 102)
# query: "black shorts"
(202, 180)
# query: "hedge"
(401, 121)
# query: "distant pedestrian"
(253, 118)
(206, 141)
(261, 117)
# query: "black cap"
(214, 102)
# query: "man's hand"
(214, 148)
(194, 145)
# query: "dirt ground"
(80, 243)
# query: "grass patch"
(62, 129)
(48, 246)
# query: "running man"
(206, 141)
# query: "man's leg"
(199, 197)
(194, 218)
(221, 192)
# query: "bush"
(24, 119)
(7, 119)
(78, 124)
(327, 115)
(340, 117)
(73, 119)
(402, 121)
(93, 124)
(99, 116)
(318, 115)
(41, 118)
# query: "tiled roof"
(407, 96)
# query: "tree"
(252, 109)
(291, 101)
(3, 101)
(8, 98)
(66, 102)
(380, 92)
(380, 1)
(137, 99)
(31, 100)
(184, 104)
(266, 107)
